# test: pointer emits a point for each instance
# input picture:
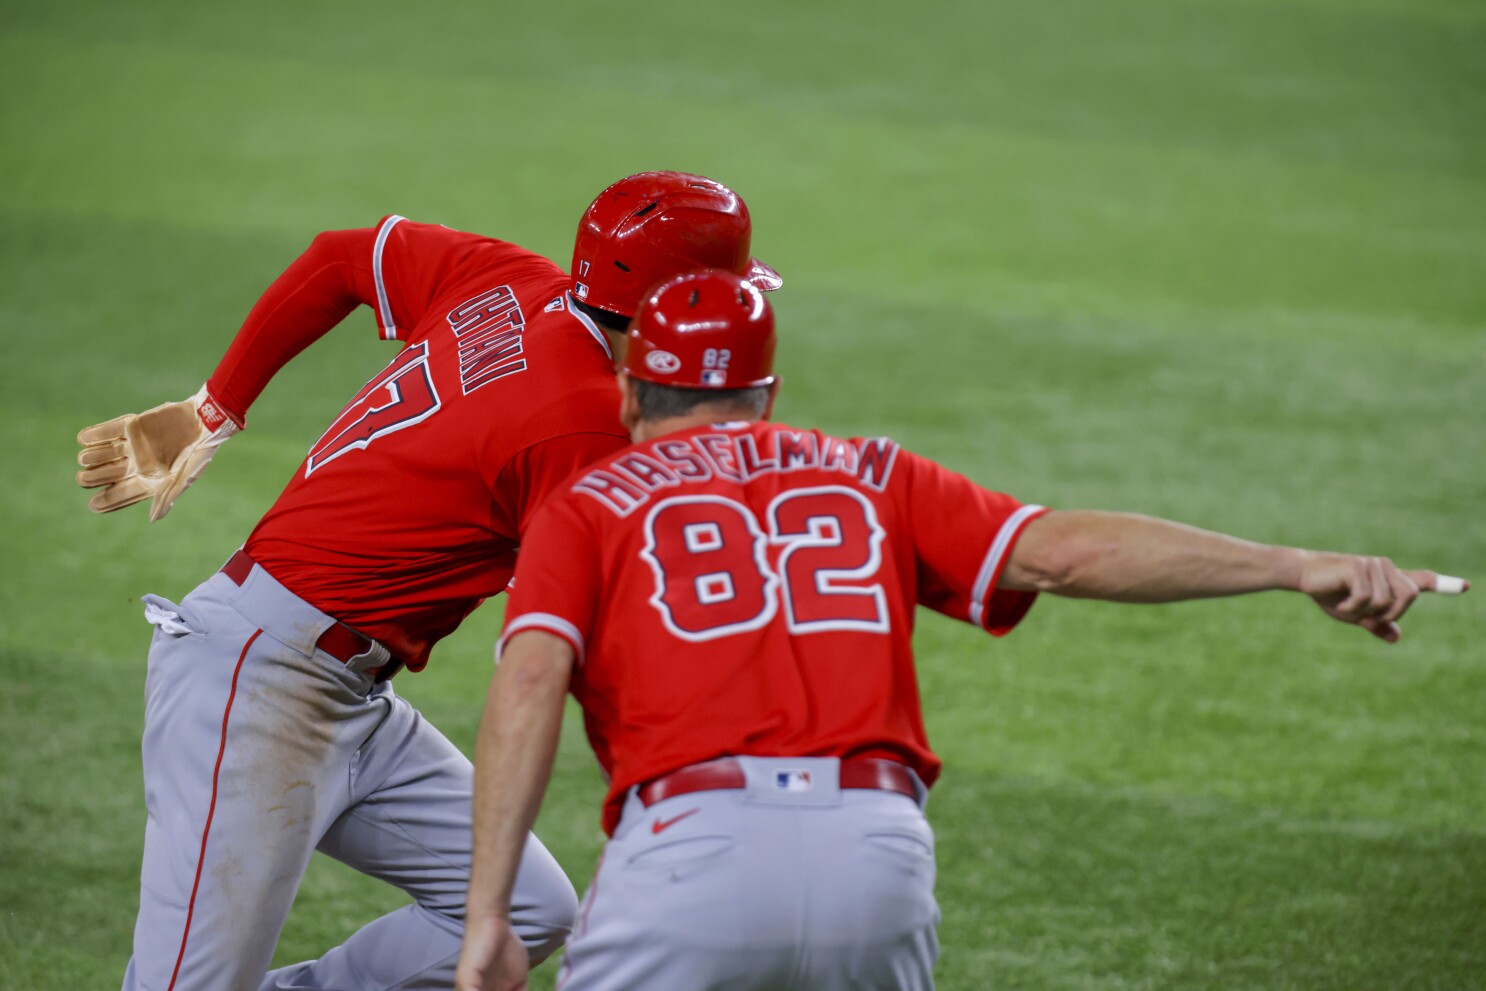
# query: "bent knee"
(544, 918)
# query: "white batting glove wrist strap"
(213, 415)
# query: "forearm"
(513, 761)
(1123, 557)
(314, 294)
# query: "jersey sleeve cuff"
(547, 623)
(385, 321)
(999, 611)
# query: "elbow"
(1049, 572)
(332, 243)
(1063, 565)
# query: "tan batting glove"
(152, 455)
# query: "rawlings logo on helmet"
(663, 362)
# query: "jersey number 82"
(710, 558)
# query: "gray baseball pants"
(772, 887)
(258, 750)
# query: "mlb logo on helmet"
(713, 378)
(793, 780)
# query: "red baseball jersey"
(407, 511)
(749, 589)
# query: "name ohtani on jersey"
(489, 329)
(629, 481)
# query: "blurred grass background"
(1220, 260)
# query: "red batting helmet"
(703, 330)
(655, 225)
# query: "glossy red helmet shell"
(654, 225)
(703, 330)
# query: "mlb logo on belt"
(792, 780)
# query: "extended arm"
(156, 454)
(513, 761)
(1123, 557)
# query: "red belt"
(726, 774)
(339, 641)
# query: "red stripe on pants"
(211, 809)
(566, 970)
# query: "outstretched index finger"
(1428, 581)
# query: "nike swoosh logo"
(660, 825)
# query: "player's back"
(759, 586)
(407, 510)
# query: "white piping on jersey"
(992, 563)
(593, 328)
(384, 308)
(542, 621)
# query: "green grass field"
(1219, 260)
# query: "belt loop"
(238, 567)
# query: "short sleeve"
(964, 535)
(557, 578)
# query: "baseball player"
(271, 726)
(731, 602)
